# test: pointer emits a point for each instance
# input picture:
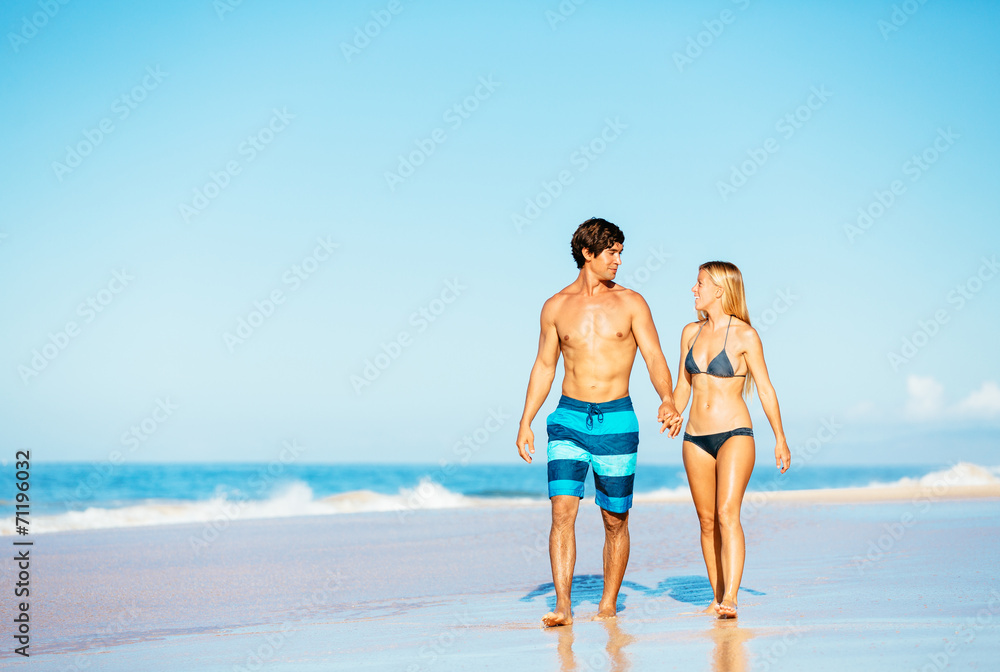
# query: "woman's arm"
(682, 393)
(754, 355)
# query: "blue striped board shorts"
(604, 435)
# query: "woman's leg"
(733, 468)
(700, 468)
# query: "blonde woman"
(721, 360)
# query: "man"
(597, 326)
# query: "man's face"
(605, 265)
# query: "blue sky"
(174, 169)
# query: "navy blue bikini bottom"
(711, 443)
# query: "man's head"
(595, 235)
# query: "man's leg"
(616, 550)
(562, 552)
(614, 476)
(568, 467)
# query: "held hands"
(669, 416)
(525, 440)
(782, 456)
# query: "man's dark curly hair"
(595, 235)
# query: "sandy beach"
(906, 584)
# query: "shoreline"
(128, 519)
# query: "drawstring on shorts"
(594, 410)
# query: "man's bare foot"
(726, 609)
(606, 610)
(556, 618)
(712, 609)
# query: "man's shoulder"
(629, 296)
(555, 302)
(562, 295)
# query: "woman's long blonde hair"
(734, 301)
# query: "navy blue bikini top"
(720, 367)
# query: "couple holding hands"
(597, 326)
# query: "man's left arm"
(659, 373)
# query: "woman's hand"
(669, 417)
(782, 456)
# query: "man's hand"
(669, 416)
(782, 456)
(525, 442)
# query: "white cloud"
(983, 403)
(925, 399)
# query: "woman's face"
(704, 291)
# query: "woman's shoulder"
(694, 325)
(743, 331)
(690, 328)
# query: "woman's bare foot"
(726, 609)
(712, 609)
(556, 618)
(604, 616)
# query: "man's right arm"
(648, 342)
(542, 374)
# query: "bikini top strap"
(727, 333)
(696, 337)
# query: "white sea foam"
(296, 499)
(426, 495)
(962, 474)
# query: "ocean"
(81, 496)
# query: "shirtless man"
(597, 326)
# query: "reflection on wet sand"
(617, 641)
(613, 658)
(730, 653)
(567, 661)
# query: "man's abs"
(600, 374)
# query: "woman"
(721, 360)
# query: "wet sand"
(905, 584)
